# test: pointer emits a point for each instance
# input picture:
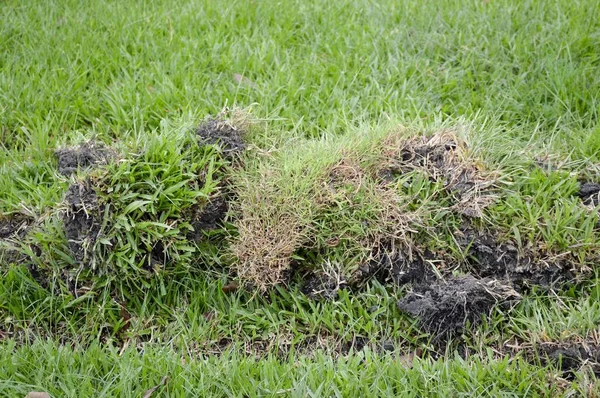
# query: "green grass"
(75, 373)
(324, 82)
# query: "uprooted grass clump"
(140, 217)
(353, 202)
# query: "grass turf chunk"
(136, 218)
(351, 201)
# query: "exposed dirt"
(223, 134)
(395, 266)
(488, 257)
(445, 307)
(323, 285)
(589, 193)
(571, 356)
(13, 228)
(14, 225)
(82, 219)
(208, 218)
(86, 155)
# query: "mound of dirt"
(82, 219)
(488, 257)
(589, 193)
(86, 155)
(223, 134)
(444, 308)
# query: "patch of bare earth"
(82, 220)
(222, 133)
(444, 308)
(84, 156)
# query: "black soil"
(319, 285)
(14, 226)
(427, 156)
(444, 308)
(82, 220)
(589, 193)
(223, 134)
(86, 155)
(487, 256)
(569, 357)
(212, 215)
(394, 266)
(208, 218)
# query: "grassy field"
(274, 186)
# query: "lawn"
(300, 198)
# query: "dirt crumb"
(83, 156)
(589, 193)
(222, 133)
(82, 219)
(444, 308)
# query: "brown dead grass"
(272, 227)
(269, 232)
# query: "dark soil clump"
(86, 155)
(82, 220)
(488, 257)
(444, 308)
(13, 229)
(208, 218)
(571, 356)
(223, 134)
(322, 285)
(14, 226)
(212, 215)
(589, 193)
(396, 267)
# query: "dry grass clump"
(271, 227)
(340, 201)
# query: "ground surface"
(402, 198)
